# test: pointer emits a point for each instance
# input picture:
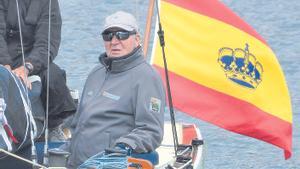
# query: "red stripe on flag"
(217, 10)
(229, 112)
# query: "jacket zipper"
(105, 79)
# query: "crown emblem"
(240, 66)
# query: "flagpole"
(148, 27)
(160, 34)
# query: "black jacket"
(34, 24)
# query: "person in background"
(34, 23)
(123, 100)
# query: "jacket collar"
(122, 63)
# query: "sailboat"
(219, 71)
(183, 152)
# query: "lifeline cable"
(46, 154)
(33, 149)
(23, 159)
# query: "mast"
(148, 27)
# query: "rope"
(103, 161)
(3, 121)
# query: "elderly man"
(123, 100)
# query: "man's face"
(120, 47)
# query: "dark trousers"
(61, 104)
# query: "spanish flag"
(222, 71)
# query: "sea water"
(278, 21)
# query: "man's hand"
(22, 73)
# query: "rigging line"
(22, 51)
(31, 120)
(160, 34)
(46, 154)
(22, 46)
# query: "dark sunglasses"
(120, 35)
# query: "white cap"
(121, 20)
